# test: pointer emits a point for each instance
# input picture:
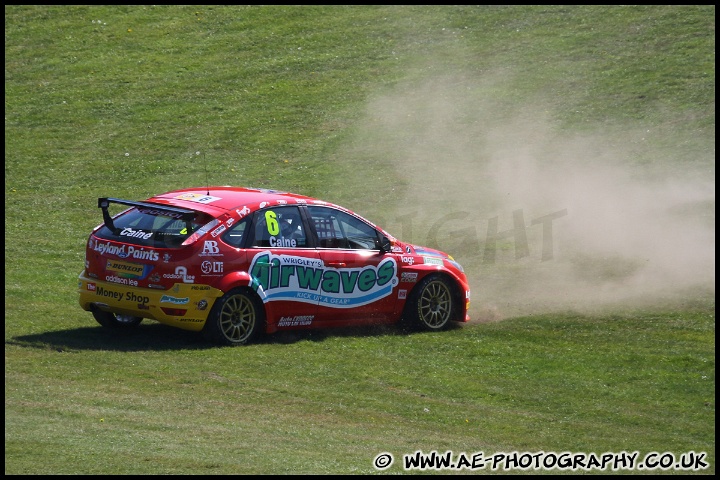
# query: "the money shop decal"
(308, 280)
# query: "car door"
(285, 266)
(359, 279)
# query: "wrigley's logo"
(300, 279)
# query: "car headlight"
(457, 265)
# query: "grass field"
(564, 155)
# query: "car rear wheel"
(236, 318)
(430, 306)
(112, 320)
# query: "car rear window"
(152, 228)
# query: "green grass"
(348, 104)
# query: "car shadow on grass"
(158, 337)
(145, 337)
(319, 335)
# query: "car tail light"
(175, 312)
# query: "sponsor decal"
(103, 292)
(396, 249)
(119, 296)
(180, 274)
(408, 277)
(127, 269)
(295, 321)
(201, 305)
(200, 287)
(209, 267)
(402, 294)
(300, 279)
(133, 297)
(218, 231)
(282, 242)
(174, 300)
(210, 249)
(433, 261)
(91, 287)
(164, 213)
(129, 232)
(408, 260)
(126, 251)
(243, 211)
(120, 280)
(196, 197)
(155, 277)
(229, 222)
(166, 257)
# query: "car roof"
(220, 199)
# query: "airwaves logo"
(308, 280)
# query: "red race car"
(236, 262)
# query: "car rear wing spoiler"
(104, 203)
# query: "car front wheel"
(236, 318)
(430, 306)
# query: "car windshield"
(152, 227)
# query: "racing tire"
(236, 318)
(430, 306)
(116, 321)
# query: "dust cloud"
(543, 220)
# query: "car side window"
(279, 227)
(236, 234)
(336, 229)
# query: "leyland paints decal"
(132, 252)
(308, 280)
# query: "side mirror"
(384, 244)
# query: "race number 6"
(272, 223)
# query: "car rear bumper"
(184, 305)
